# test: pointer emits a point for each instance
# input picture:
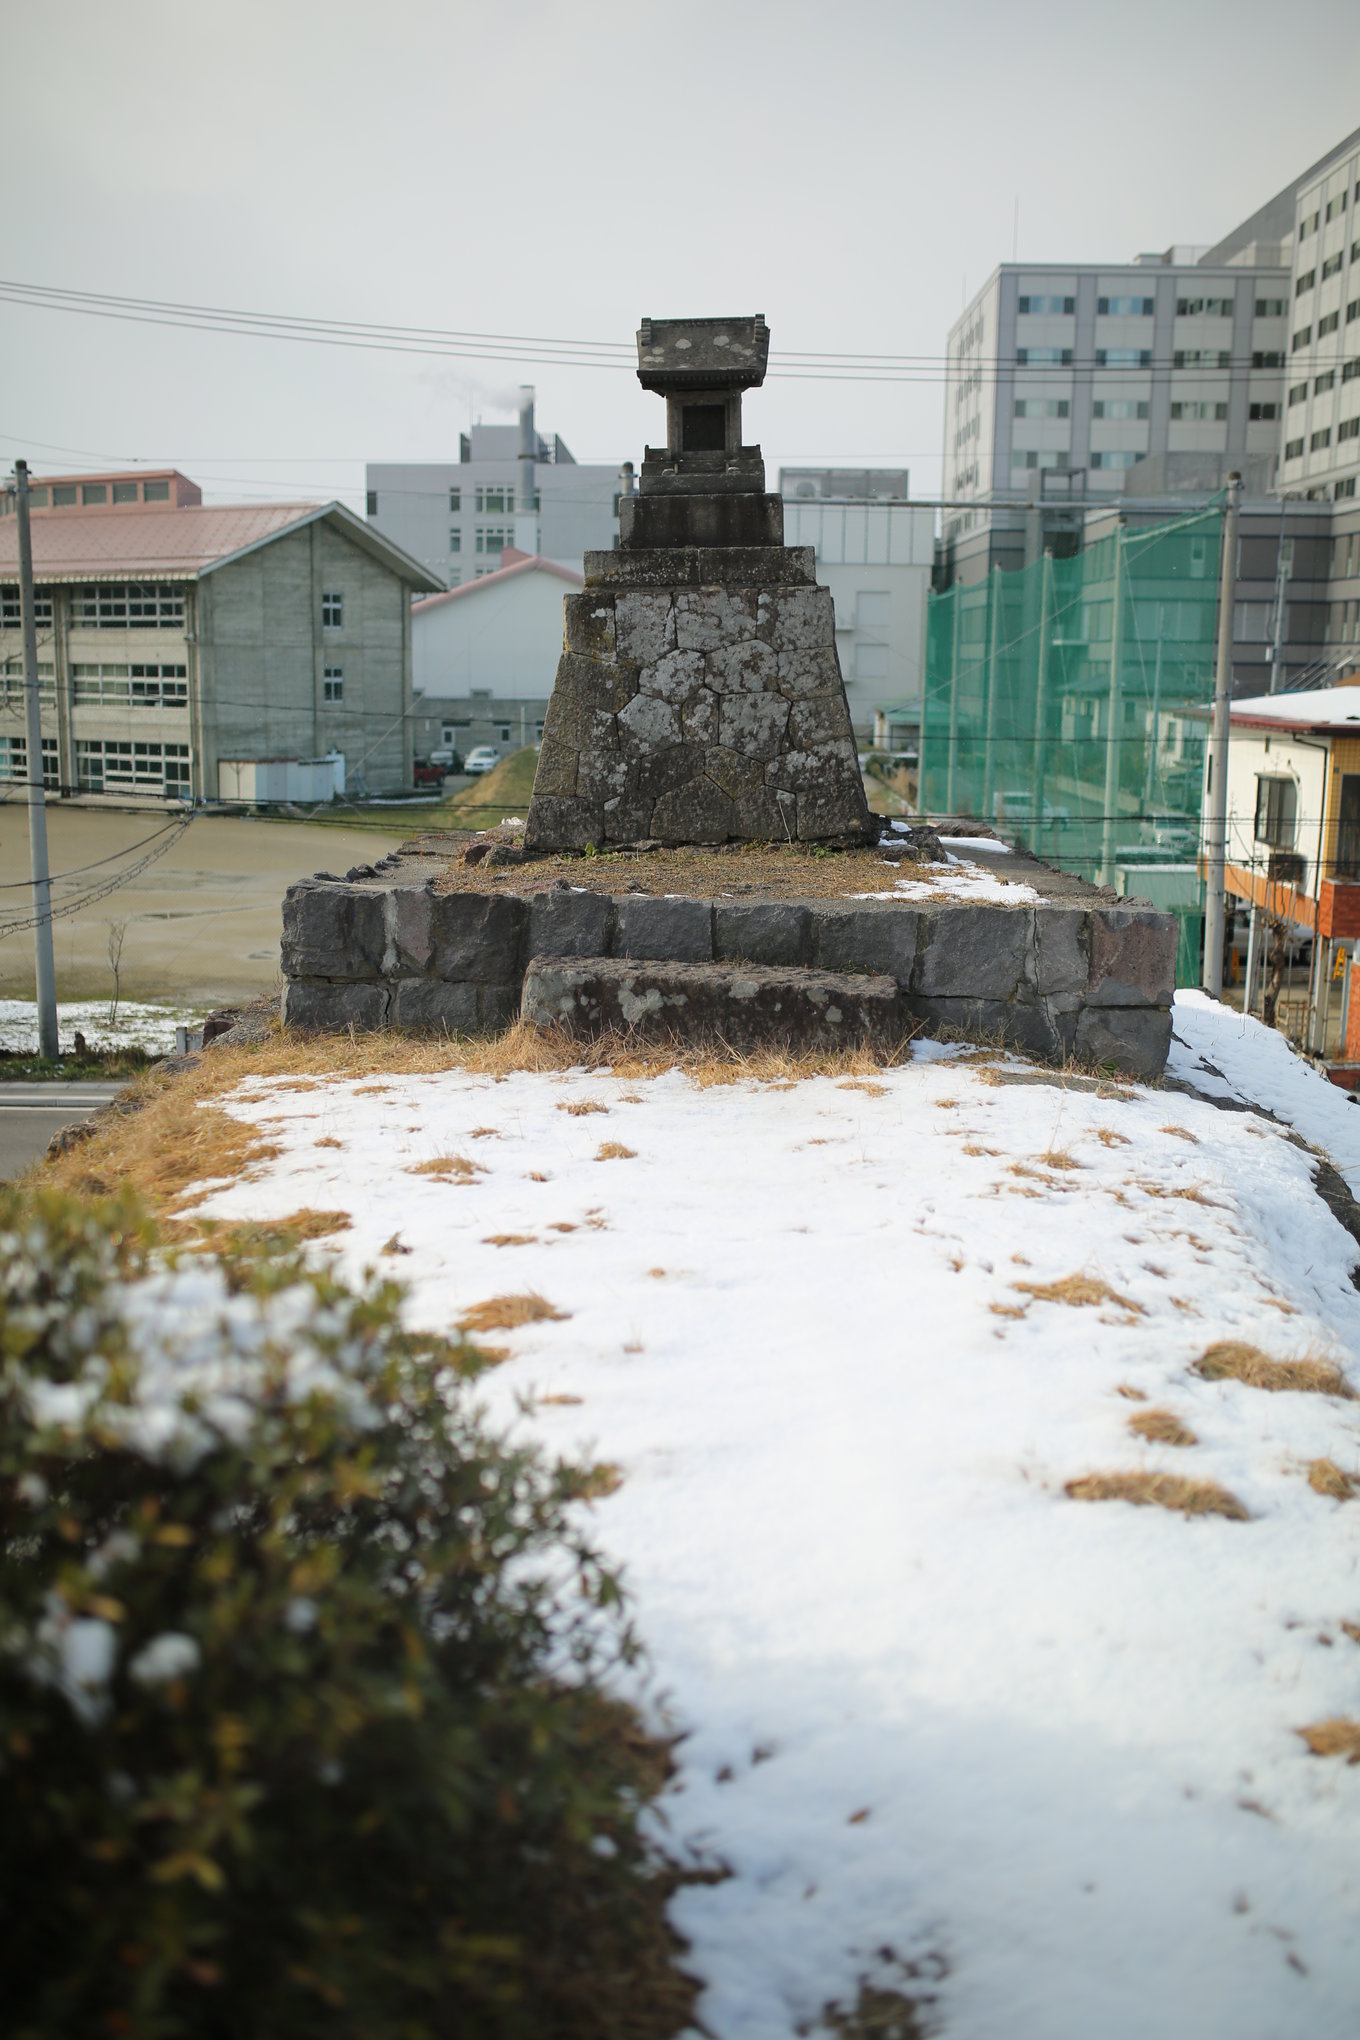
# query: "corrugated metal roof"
(523, 563)
(152, 543)
(156, 544)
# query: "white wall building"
(1320, 453)
(874, 552)
(457, 518)
(485, 657)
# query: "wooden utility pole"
(1216, 827)
(44, 969)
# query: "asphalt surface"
(31, 1113)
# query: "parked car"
(481, 758)
(430, 771)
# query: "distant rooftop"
(808, 484)
(159, 488)
(1326, 708)
(1274, 221)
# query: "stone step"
(746, 1006)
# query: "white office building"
(874, 552)
(510, 487)
(1320, 454)
(485, 656)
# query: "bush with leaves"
(301, 1723)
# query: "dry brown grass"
(1159, 1491)
(1011, 1310)
(972, 1148)
(946, 1104)
(170, 1149)
(1129, 1392)
(1080, 1291)
(1236, 1360)
(863, 1084)
(1335, 1738)
(604, 1478)
(485, 1133)
(510, 1239)
(294, 1230)
(561, 1401)
(1181, 1133)
(328, 1140)
(1161, 1427)
(614, 1151)
(875, 2015)
(369, 1090)
(1189, 1193)
(579, 1107)
(657, 1274)
(507, 1313)
(1351, 1629)
(1060, 1158)
(1107, 1136)
(454, 1168)
(1326, 1478)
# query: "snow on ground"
(137, 1026)
(1044, 1748)
(960, 879)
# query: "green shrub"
(301, 1723)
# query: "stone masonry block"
(478, 936)
(797, 619)
(1058, 961)
(601, 775)
(814, 723)
(675, 929)
(556, 769)
(327, 1006)
(431, 1006)
(1135, 1039)
(744, 1005)
(750, 668)
(875, 938)
(697, 812)
(804, 674)
(706, 618)
(649, 720)
(972, 952)
(1133, 957)
(1026, 1027)
(835, 809)
(595, 683)
(678, 678)
(567, 921)
(644, 624)
(408, 912)
(332, 931)
(754, 724)
(558, 824)
(701, 719)
(761, 931)
(589, 625)
(498, 1005)
(739, 776)
(575, 726)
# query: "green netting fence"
(1067, 704)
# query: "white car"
(481, 758)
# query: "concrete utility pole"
(37, 809)
(1216, 830)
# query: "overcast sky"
(848, 167)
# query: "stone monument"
(699, 697)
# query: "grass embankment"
(99, 1065)
(481, 804)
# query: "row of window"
(115, 765)
(138, 686)
(65, 495)
(14, 761)
(1335, 206)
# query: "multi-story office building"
(875, 551)
(1320, 441)
(176, 639)
(1089, 370)
(458, 518)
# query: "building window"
(10, 617)
(1124, 357)
(1298, 393)
(1346, 488)
(1270, 307)
(1328, 324)
(63, 495)
(493, 538)
(1276, 808)
(1349, 428)
(1293, 449)
(1350, 370)
(333, 683)
(1308, 225)
(1034, 459)
(1301, 338)
(156, 687)
(1259, 411)
(1047, 304)
(94, 492)
(1335, 205)
(1209, 308)
(125, 492)
(1188, 411)
(1197, 357)
(129, 605)
(451, 733)
(502, 500)
(455, 538)
(455, 499)
(1119, 407)
(155, 492)
(14, 761)
(1321, 438)
(332, 611)
(1114, 460)
(1332, 266)
(1044, 357)
(1324, 382)
(372, 504)
(505, 733)
(1268, 358)
(1124, 307)
(1042, 407)
(1348, 828)
(1353, 310)
(1305, 282)
(117, 766)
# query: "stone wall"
(1091, 981)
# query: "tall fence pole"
(990, 736)
(1036, 798)
(1216, 828)
(44, 970)
(952, 767)
(1114, 710)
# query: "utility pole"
(1216, 832)
(37, 810)
(1114, 710)
(1283, 568)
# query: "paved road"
(31, 1113)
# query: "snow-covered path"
(939, 1714)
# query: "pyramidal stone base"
(699, 699)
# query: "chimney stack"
(526, 515)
